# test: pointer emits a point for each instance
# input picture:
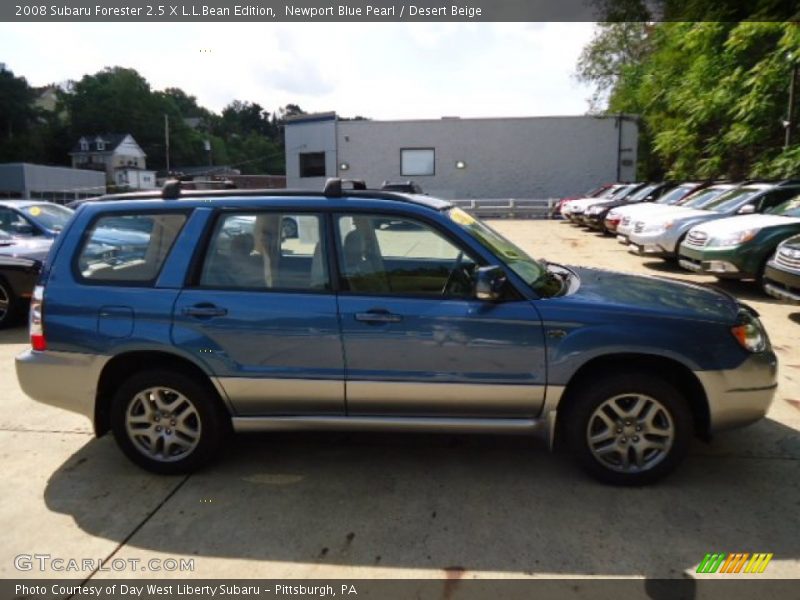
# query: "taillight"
(35, 321)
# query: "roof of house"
(112, 140)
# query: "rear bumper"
(740, 396)
(66, 380)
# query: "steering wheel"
(451, 277)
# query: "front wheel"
(628, 429)
(166, 422)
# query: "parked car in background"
(695, 200)
(595, 215)
(32, 218)
(660, 235)
(595, 192)
(739, 247)
(445, 326)
(405, 187)
(671, 197)
(782, 275)
(617, 190)
(20, 264)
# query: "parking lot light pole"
(789, 123)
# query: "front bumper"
(658, 245)
(723, 263)
(66, 380)
(738, 397)
(782, 284)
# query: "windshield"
(675, 195)
(49, 216)
(531, 271)
(790, 208)
(642, 193)
(701, 199)
(732, 199)
(623, 191)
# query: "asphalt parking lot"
(405, 506)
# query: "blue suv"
(387, 311)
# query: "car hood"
(35, 249)
(655, 296)
(641, 208)
(731, 225)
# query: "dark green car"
(739, 247)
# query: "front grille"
(697, 238)
(789, 258)
(639, 227)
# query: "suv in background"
(782, 275)
(661, 235)
(739, 247)
(443, 325)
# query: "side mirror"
(489, 283)
(747, 209)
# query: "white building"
(118, 155)
(508, 157)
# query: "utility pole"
(166, 139)
(790, 108)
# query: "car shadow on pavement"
(795, 317)
(14, 335)
(443, 504)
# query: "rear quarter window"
(127, 248)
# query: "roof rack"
(172, 190)
(333, 186)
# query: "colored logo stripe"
(736, 562)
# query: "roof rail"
(171, 189)
(333, 186)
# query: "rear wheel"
(628, 428)
(8, 305)
(166, 422)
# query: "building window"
(312, 164)
(84, 145)
(417, 161)
(101, 146)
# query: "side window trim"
(195, 271)
(338, 245)
(90, 228)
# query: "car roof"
(333, 191)
(21, 203)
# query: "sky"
(375, 70)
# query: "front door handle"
(378, 316)
(204, 311)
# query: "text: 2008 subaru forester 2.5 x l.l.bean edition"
(386, 312)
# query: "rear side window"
(128, 248)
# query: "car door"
(261, 312)
(416, 340)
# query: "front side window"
(312, 164)
(388, 255)
(266, 251)
(129, 248)
(417, 161)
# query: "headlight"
(658, 227)
(749, 332)
(733, 239)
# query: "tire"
(9, 305)
(659, 444)
(181, 444)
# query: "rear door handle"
(204, 310)
(378, 316)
